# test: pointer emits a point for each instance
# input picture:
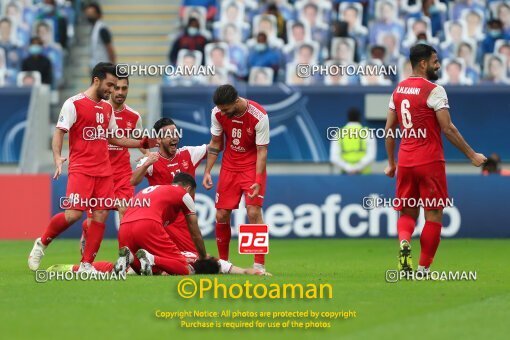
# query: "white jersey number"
(150, 189)
(406, 115)
(236, 133)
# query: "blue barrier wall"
(331, 206)
(299, 117)
(13, 114)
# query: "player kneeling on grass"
(142, 228)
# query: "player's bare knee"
(434, 216)
(122, 211)
(100, 215)
(254, 214)
(414, 213)
(222, 216)
(73, 215)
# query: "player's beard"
(171, 149)
(101, 93)
(119, 100)
(432, 74)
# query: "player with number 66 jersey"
(242, 127)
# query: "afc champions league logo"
(206, 213)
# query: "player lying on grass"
(126, 258)
(150, 240)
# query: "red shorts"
(426, 182)
(232, 185)
(122, 187)
(88, 192)
(151, 236)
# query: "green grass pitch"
(355, 268)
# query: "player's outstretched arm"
(213, 149)
(196, 235)
(391, 124)
(144, 143)
(260, 170)
(56, 146)
(246, 271)
(141, 170)
(454, 136)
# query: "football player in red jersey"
(160, 169)
(127, 120)
(419, 104)
(244, 125)
(86, 117)
(142, 229)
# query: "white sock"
(423, 269)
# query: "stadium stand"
(255, 44)
(473, 33)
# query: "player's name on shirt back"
(408, 90)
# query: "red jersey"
(243, 135)
(162, 172)
(127, 119)
(165, 202)
(186, 160)
(83, 118)
(416, 100)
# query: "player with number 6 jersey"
(419, 104)
(242, 126)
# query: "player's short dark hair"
(185, 179)
(101, 70)
(162, 122)
(206, 266)
(96, 7)
(420, 52)
(123, 77)
(353, 115)
(225, 94)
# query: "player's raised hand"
(152, 158)
(58, 166)
(256, 188)
(390, 171)
(207, 181)
(147, 143)
(478, 159)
